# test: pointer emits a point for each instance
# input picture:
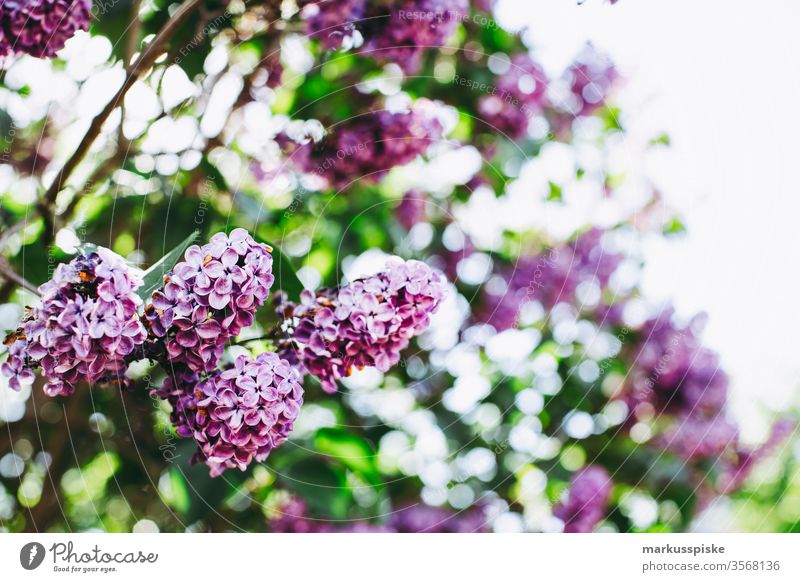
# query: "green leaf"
(351, 451)
(322, 486)
(154, 276)
(203, 493)
(286, 278)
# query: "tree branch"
(143, 63)
(8, 273)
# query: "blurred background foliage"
(467, 419)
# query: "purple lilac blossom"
(40, 28)
(550, 277)
(208, 298)
(409, 28)
(364, 324)
(591, 78)
(747, 458)
(237, 415)
(673, 372)
(518, 95)
(85, 327)
(411, 209)
(368, 146)
(694, 436)
(292, 517)
(584, 504)
(332, 21)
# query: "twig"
(137, 69)
(7, 272)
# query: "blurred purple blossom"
(551, 277)
(411, 209)
(584, 504)
(368, 146)
(518, 95)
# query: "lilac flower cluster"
(517, 97)
(84, 328)
(677, 378)
(411, 209)
(409, 28)
(550, 277)
(370, 145)
(237, 415)
(364, 324)
(584, 504)
(40, 28)
(397, 32)
(332, 22)
(673, 371)
(591, 78)
(208, 298)
(292, 517)
(747, 458)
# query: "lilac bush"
(84, 327)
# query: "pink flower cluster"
(584, 503)
(398, 32)
(209, 297)
(332, 22)
(591, 78)
(409, 28)
(518, 95)
(364, 324)
(292, 517)
(237, 415)
(551, 277)
(368, 146)
(84, 327)
(40, 28)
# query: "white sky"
(721, 78)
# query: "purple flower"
(368, 146)
(584, 503)
(426, 519)
(736, 472)
(550, 277)
(591, 78)
(332, 22)
(85, 327)
(517, 97)
(208, 298)
(672, 372)
(364, 324)
(40, 28)
(292, 517)
(237, 415)
(401, 32)
(696, 435)
(411, 209)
